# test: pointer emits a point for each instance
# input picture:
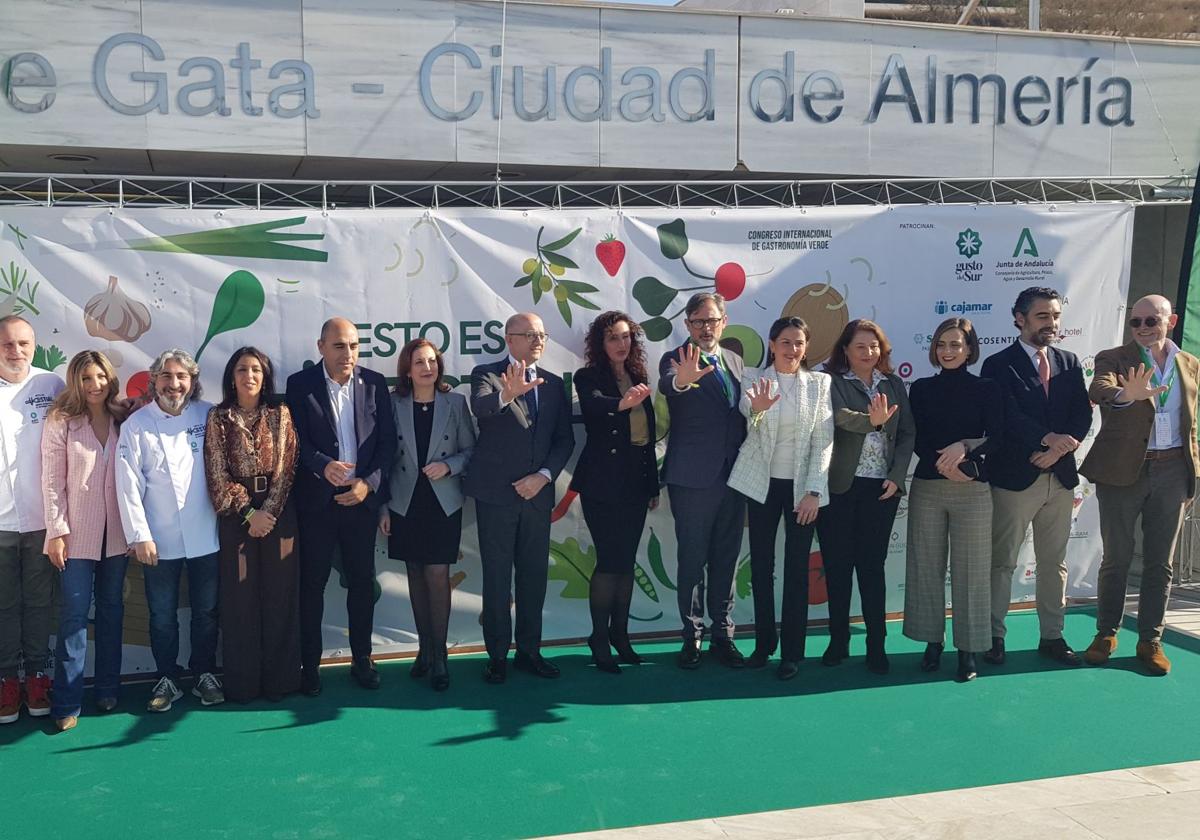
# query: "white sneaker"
(208, 689)
(164, 694)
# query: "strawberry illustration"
(611, 253)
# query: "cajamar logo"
(969, 243)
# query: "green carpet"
(592, 750)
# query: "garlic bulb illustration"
(115, 316)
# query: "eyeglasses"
(1150, 321)
(701, 323)
(532, 337)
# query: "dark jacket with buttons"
(852, 424)
(611, 468)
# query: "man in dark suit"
(1145, 463)
(347, 439)
(702, 384)
(525, 440)
(1033, 475)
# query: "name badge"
(1162, 429)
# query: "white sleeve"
(131, 486)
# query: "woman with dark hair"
(959, 419)
(872, 446)
(250, 461)
(423, 516)
(616, 476)
(783, 470)
(84, 538)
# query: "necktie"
(1043, 365)
(715, 361)
(531, 400)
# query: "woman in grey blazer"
(423, 516)
(872, 445)
(783, 469)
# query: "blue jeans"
(162, 596)
(80, 580)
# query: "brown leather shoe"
(1100, 649)
(1150, 653)
(64, 723)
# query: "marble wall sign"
(589, 86)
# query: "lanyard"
(1156, 380)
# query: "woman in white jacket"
(783, 469)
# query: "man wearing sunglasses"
(702, 384)
(1144, 463)
(525, 440)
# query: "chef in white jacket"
(169, 522)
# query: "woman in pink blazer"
(84, 539)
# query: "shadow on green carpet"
(593, 750)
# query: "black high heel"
(932, 660)
(439, 673)
(602, 657)
(420, 666)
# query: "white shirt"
(783, 457)
(23, 407)
(1032, 352)
(161, 488)
(1172, 407)
(341, 401)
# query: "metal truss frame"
(24, 189)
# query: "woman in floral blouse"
(250, 461)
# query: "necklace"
(788, 393)
(424, 405)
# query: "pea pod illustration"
(643, 581)
(654, 552)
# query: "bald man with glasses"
(525, 441)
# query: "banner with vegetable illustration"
(133, 282)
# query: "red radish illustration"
(730, 280)
(817, 593)
(560, 510)
(610, 251)
(138, 385)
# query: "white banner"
(135, 282)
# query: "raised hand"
(513, 382)
(633, 397)
(1135, 385)
(760, 396)
(687, 367)
(879, 411)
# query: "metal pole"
(1035, 15)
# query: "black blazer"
(374, 426)
(706, 432)
(611, 468)
(509, 446)
(1030, 414)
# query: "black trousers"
(797, 545)
(708, 537)
(513, 538)
(616, 529)
(351, 532)
(855, 530)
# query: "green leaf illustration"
(559, 259)
(653, 295)
(654, 554)
(564, 242)
(524, 281)
(573, 566)
(662, 417)
(257, 241)
(656, 329)
(742, 577)
(578, 286)
(580, 300)
(672, 239)
(48, 358)
(238, 304)
(564, 309)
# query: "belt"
(1164, 454)
(257, 484)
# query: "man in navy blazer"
(702, 384)
(525, 440)
(347, 440)
(1033, 476)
